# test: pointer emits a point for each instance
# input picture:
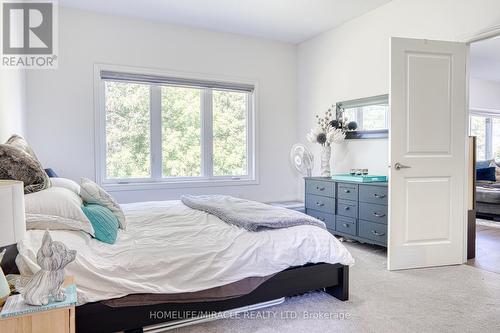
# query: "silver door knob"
(399, 166)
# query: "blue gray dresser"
(349, 209)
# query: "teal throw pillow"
(104, 222)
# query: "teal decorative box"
(359, 178)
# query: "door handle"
(399, 166)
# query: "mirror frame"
(374, 134)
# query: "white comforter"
(170, 248)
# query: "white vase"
(326, 153)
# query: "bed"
(170, 249)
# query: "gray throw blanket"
(251, 215)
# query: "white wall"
(485, 68)
(352, 61)
(61, 106)
(12, 103)
(484, 95)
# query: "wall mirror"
(371, 115)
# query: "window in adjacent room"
(157, 129)
(486, 128)
(478, 129)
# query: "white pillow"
(93, 193)
(56, 208)
(66, 183)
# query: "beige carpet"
(445, 299)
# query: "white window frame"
(157, 181)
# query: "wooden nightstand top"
(61, 320)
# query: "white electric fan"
(302, 159)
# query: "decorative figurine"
(45, 285)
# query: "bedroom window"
(158, 130)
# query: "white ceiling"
(285, 20)
(485, 59)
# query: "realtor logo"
(29, 38)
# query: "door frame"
(484, 34)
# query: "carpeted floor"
(445, 299)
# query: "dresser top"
(328, 179)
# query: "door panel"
(419, 227)
(428, 134)
(428, 80)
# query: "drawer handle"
(378, 214)
(347, 208)
(321, 219)
(320, 204)
(378, 233)
(379, 196)
(320, 188)
(345, 225)
(347, 191)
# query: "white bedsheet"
(170, 248)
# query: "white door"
(428, 142)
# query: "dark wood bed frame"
(99, 318)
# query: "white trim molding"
(156, 180)
(483, 34)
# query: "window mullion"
(359, 117)
(156, 132)
(488, 138)
(207, 134)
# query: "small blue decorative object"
(359, 178)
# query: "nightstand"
(54, 321)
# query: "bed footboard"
(341, 290)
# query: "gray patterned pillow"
(16, 164)
(94, 194)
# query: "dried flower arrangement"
(328, 131)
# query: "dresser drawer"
(374, 231)
(373, 212)
(347, 191)
(320, 187)
(347, 208)
(321, 203)
(345, 225)
(373, 194)
(329, 219)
